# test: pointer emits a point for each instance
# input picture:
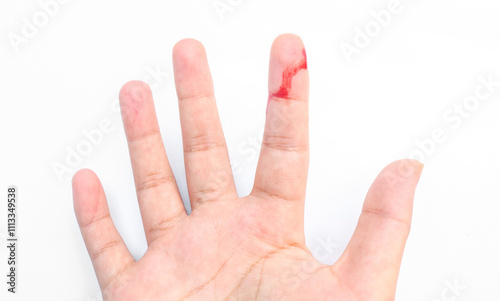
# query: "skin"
(232, 248)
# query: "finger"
(106, 248)
(208, 171)
(157, 193)
(284, 157)
(373, 257)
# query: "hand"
(232, 248)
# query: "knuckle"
(95, 220)
(105, 248)
(203, 143)
(154, 180)
(283, 143)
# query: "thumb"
(370, 264)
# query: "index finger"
(284, 157)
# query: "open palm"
(231, 248)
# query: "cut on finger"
(284, 157)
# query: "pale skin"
(232, 248)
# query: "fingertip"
(187, 50)
(82, 174)
(393, 190)
(83, 180)
(405, 170)
(288, 44)
(134, 92)
(191, 71)
(288, 48)
(87, 190)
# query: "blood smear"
(288, 74)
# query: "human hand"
(232, 248)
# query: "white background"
(364, 114)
